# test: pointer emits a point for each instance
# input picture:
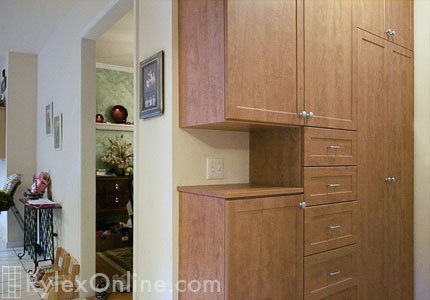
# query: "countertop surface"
(243, 190)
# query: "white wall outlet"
(214, 168)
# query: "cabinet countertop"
(237, 191)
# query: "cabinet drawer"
(329, 147)
(330, 272)
(330, 226)
(346, 294)
(329, 184)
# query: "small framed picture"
(152, 84)
(58, 132)
(49, 119)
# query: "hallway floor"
(15, 282)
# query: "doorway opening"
(107, 137)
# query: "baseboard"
(15, 244)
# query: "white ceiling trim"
(114, 67)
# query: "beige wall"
(422, 149)
(167, 156)
(20, 130)
(59, 81)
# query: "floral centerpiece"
(118, 157)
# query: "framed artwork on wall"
(151, 86)
(58, 132)
(49, 119)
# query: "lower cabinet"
(253, 247)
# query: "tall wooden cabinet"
(385, 167)
(336, 79)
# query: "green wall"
(113, 88)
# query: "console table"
(38, 233)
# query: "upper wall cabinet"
(328, 44)
(238, 63)
(390, 19)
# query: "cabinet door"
(261, 61)
(370, 16)
(399, 205)
(264, 248)
(400, 19)
(328, 56)
(370, 88)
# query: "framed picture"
(58, 132)
(151, 87)
(49, 119)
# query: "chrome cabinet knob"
(303, 114)
(117, 186)
(302, 204)
(393, 179)
(393, 32)
(310, 115)
(116, 200)
(389, 31)
(388, 179)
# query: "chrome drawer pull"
(117, 186)
(334, 227)
(334, 185)
(334, 273)
(116, 199)
(334, 147)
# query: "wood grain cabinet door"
(399, 14)
(261, 61)
(328, 40)
(371, 90)
(399, 208)
(264, 251)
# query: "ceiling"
(116, 46)
(26, 25)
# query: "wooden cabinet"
(238, 61)
(252, 246)
(328, 44)
(385, 141)
(112, 193)
(389, 19)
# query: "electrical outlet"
(214, 168)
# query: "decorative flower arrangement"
(118, 157)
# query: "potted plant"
(118, 157)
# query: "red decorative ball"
(99, 118)
(119, 113)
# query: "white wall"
(167, 156)
(21, 106)
(422, 152)
(59, 77)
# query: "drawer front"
(328, 147)
(347, 294)
(118, 194)
(323, 185)
(330, 226)
(330, 272)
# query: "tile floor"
(14, 278)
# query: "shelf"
(114, 127)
